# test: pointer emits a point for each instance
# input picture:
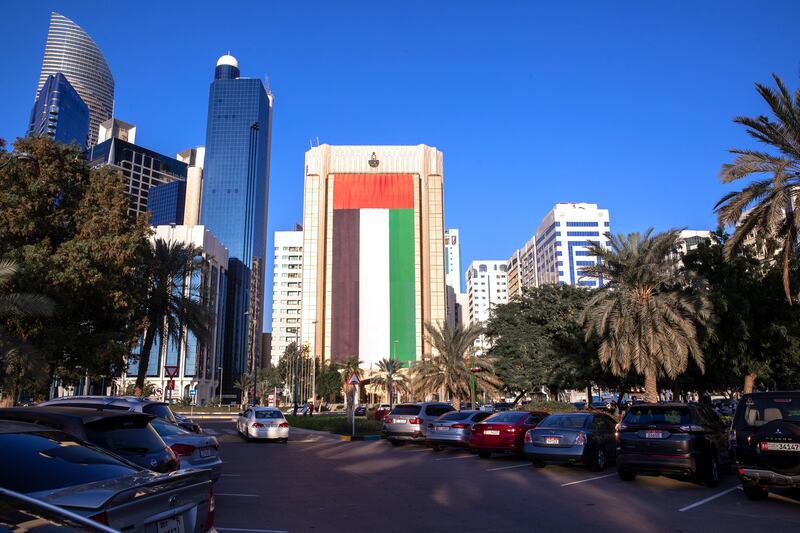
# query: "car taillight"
(513, 429)
(528, 437)
(182, 449)
(211, 507)
(763, 446)
(283, 425)
(459, 426)
(416, 421)
(100, 517)
(581, 438)
(257, 425)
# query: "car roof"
(261, 408)
(108, 399)
(16, 426)
(772, 394)
(53, 414)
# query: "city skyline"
(618, 138)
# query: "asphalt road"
(318, 483)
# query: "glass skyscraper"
(166, 203)
(60, 113)
(71, 51)
(234, 203)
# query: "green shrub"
(550, 407)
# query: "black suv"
(765, 442)
(672, 439)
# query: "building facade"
(487, 286)
(70, 51)
(234, 203)
(198, 364)
(522, 272)
(562, 243)
(140, 167)
(452, 273)
(60, 113)
(373, 254)
(167, 203)
(287, 297)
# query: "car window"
(505, 418)
(759, 411)
(658, 415)
(105, 406)
(46, 460)
(565, 421)
(438, 410)
(601, 423)
(127, 436)
(456, 415)
(534, 419)
(165, 429)
(160, 410)
(268, 414)
(479, 417)
(406, 410)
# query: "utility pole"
(220, 385)
(391, 367)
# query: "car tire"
(599, 460)
(538, 463)
(626, 475)
(710, 474)
(755, 493)
(397, 442)
(484, 455)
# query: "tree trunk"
(620, 395)
(519, 397)
(650, 386)
(144, 359)
(676, 392)
(749, 382)
(589, 395)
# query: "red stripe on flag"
(373, 191)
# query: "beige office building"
(373, 251)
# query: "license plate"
(442, 428)
(552, 440)
(653, 434)
(171, 525)
(205, 452)
(401, 421)
(492, 432)
(781, 446)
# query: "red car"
(503, 432)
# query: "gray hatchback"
(453, 429)
(408, 422)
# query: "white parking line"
(710, 498)
(251, 530)
(459, 457)
(237, 495)
(508, 467)
(585, 480)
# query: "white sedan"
(263, 423)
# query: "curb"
(364, 437)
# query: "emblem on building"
(373, 161)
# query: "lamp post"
(389, 379)
(220, 385)
(296, 368)
(472, 369)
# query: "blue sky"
(625, 104)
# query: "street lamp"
(220, 385)
(391, 367)
(296, 382)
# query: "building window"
(583, 234)
(582, 224)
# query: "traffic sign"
(354, 380)
(171, 371)
(192, 392)
(170, 385)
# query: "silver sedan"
(193, 450)
(263, 423)
(453, 429)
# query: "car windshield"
(759, 411)
(505, 418)
(127, 436)
(406, 410)
(48, 460)
(161, 410)
(165, 429)
(564, 421)
(268, 414)
(649, 415)
(455, 415)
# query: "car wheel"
(538, 463)
(599, 461)
(755, 493)
(626, 475)
(397, 442)
(710, 475)
(484, 455)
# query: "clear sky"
(624, 104)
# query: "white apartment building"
(452, 274)
(286, 291)
(522, 269)
(487, 286)
(562, 243)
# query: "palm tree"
(646, 316)
(349, 367)
(448, 370)
(765, 208)
(244, 383)
(381, 376)
(20, 304)
(171, 306)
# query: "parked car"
(193, 450)
(62, 470)
(575, 438)
(408, 422)
(502, 406)
(453, 429)
(765, 442)
(381, 411)
(503, 432)
(21, 513)
(129, 435)
(126, 403)
(678, 439)
(263, 423)
(360, 410)
(724, 407)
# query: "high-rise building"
(194, 157)
(60, 113)
(487, 286)
(563, 240)
(522, 269)
(234, 203)
(140, 167)
(452, 273)
(198, 363)
(373, 254)
(286, 292)
(167, 203)
(70, 51)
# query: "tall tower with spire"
(234, 204)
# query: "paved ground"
(317, 483)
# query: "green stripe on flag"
(401, 284)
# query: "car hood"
(98, 494)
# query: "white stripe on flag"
(373, 286)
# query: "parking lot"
(317, 483)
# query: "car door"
(603, 431)
(718, 432)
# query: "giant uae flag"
(373, 311)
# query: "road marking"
(238, 495)
(251, 530)
(710, 498)
(508, 467)
(585, 480)
(459, 457)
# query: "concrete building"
(452, 273)
(522, 269)
(487, 286)
(563, 240)
(373, 254)
(691, 239)
(286, 299)
(198, 364)
(194, 158)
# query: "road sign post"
(354, 382)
